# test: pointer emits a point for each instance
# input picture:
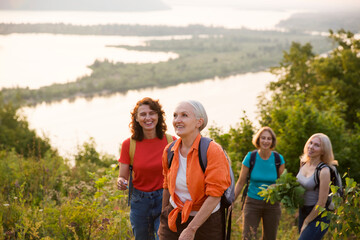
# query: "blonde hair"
(327, 155)
(256, 137)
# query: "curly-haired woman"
(148, 132)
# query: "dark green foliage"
(316, 94)
(345, 219)
(237, 142)
(15, 133)
(286, 190)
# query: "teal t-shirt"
(263, 174)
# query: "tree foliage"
(316, 94)
(15, 133)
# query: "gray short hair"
(199, 112)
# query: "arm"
(323, 195)
(203, 214)
(123, 176)
(241, 181)
(281, 169)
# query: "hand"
(122, 183)
(187, 234)
(303, 227)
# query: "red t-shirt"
(147, 165)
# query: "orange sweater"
(213, 182)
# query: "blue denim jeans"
(145, 210)
(311, 232)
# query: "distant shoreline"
(83, 5)
(223, 53)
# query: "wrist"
(192, 228)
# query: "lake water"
(177, 16)
(106, 119)
(35, 60)
(47, 58)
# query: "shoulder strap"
(169, 138)
(252, 163)
(132, 150)
(170, 154)
(318, 168)
(203, 148)
(131, 154)
(277, 162)
(252, 160)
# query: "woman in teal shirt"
(264, 173)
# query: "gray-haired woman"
(191, 198)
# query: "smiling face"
(147, 118)
(314, 148)
(265, 140)
(185, 122)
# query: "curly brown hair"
(136, 129)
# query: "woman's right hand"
(122, 183)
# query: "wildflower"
(6, 204)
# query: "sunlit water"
(106, 119)
(177, 16)
(35, 60)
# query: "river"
(35, 60)
(106, 119)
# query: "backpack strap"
(170, 153)
(252, 161)
(131, 155)
(318, 168)
(132, 151)
(169, 138)
(251, 167)
(277, 162)
(203, 148)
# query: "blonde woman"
(317, 149)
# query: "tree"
(237, 142)
(15, 133)
(316, 94)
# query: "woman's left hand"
(187, 234)
(303, 227)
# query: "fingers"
(122, 183)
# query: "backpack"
(252, 164)
(131, 155)
(229, 194)
(335, 179)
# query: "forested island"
(220, 53)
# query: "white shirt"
(181, 188)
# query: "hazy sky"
(287, 4)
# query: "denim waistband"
(152, 194)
